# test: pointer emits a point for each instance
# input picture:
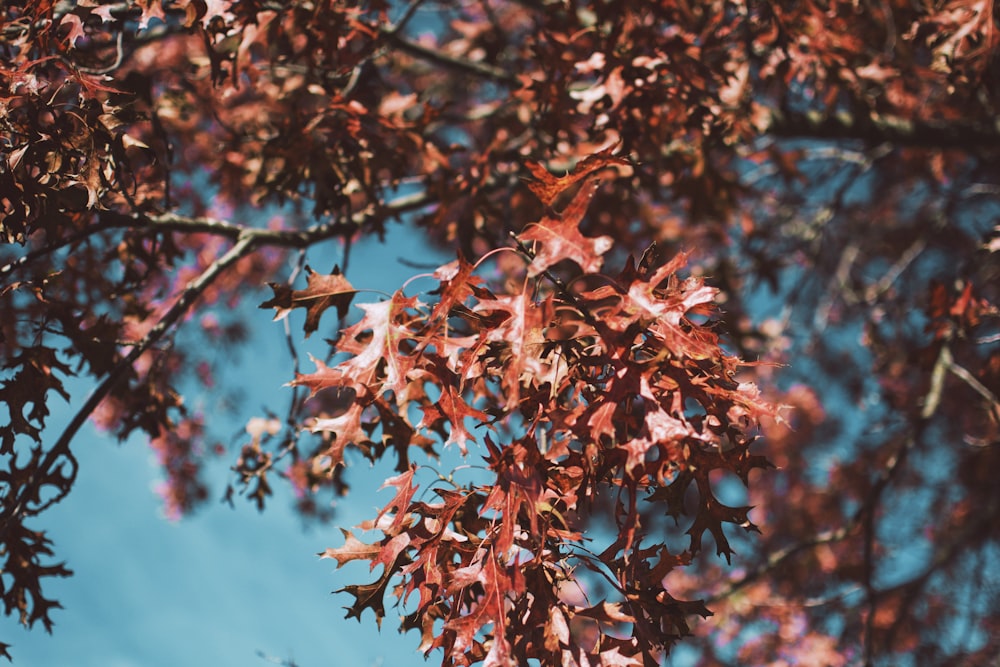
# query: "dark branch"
(15, 508)
(174, 222)
(480, 70)
(973, 137)
(247, 240)
(860, 517)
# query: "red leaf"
(75, 24)
(451, 406)
(390, 551)
(323, 378)
(400, 502)
(372, 341)
(346, 428)
(560, 237)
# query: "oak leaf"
(322, 292)
(560, 237)
(369, 596)
(548, 187)
(353, 549)
(405, 488)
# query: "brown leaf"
(369, 596)
(321, 293)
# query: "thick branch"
(973, 137)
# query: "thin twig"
(945, 554)
(46, 250)
(838, 285)
(968, 378)
(886, 281)
(831, 536)
(247, 239)
(868, 575)
(779, 557)
(411, 9)
(119, 59)
(868, 510)
(564, 290)
(296, 402)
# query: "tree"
(659, 190)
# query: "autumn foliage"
(599, 383)
(720, 345)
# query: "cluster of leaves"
(616, 394)
(841, 163)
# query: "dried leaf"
(548, 187)
(322, 293)
(353, 549)
(560, 237)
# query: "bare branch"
(886, 281)
(779, 557)
(408, 14)
(296, 400)
(868, 575)
(247, 239)
(289, 238)
(838, 285)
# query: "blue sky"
(215, 588)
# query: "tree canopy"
(720, 338)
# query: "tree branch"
(943, 556)
(175, 222)
(830, 536)
(286, 238)
(779, 557)
(187, 299)
(247, 239)
(478, 69)
(974, 137)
